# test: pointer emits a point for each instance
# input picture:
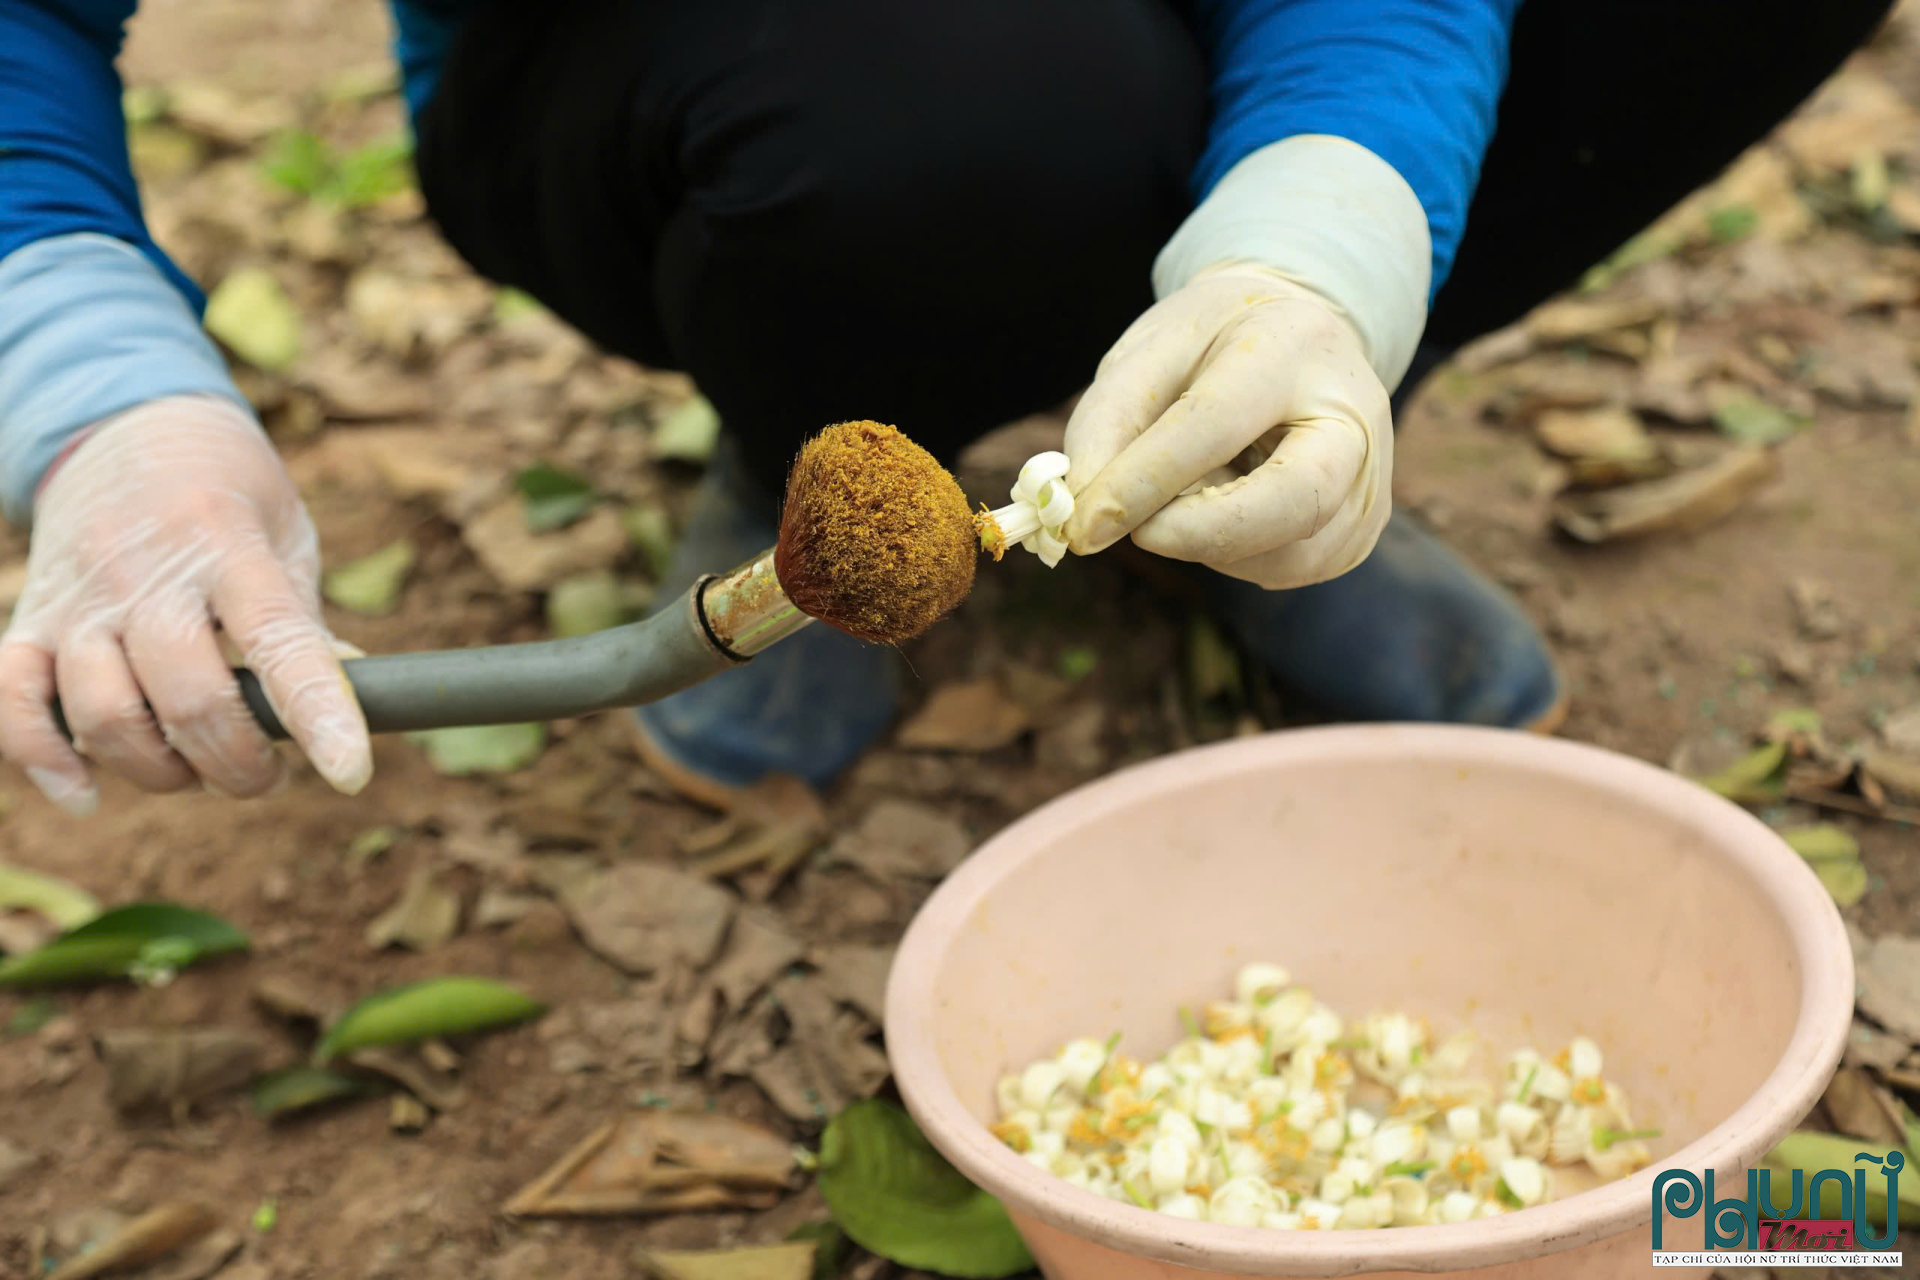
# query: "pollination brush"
(875, 540)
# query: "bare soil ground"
(1786, 312)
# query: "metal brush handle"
(512, 683)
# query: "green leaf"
(1845, 879)
(510, 304)
(253, 316)
(829, 1246)
(294, 1089)
(650, 529)
(1811, 1152)
(553, 498)
(370, 174)
(491, 748)
(585, 603)
(1800, 720)
(371, 843)
(689, 433)
(112, 945)
(1835, 856)
(266, 1214)
(426, 1010)
(1820, 841)
(299, 162)
(68, 906)
(1757, 777)
(1751, 420)
(143, 104)
(371, 585)
(1732, 222)
(896, 1196)
(1078, 663)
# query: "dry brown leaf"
(522, 560)
(746, 1041)
(662, 1162)
(827, 1061)
(148, 1238)
(975, 715)
(408, 1069)
(1855, 114)
(758, 949)
(1888, 985)
(1685, 501)
(1869, 1046)
(1605, 446)
(171, 1068)
(1864, 365)
(355, 388)
(206, 1256)
(408, 316)
(857, 975)
(753, 1262)
(425, 917)
(1073, 742)
(904, 838)
(1862, 1109)
(223, 116)
(1894, 771)
(643, 917)
(291, 999)
(767, 829)
(1572, 319)
(415, 462)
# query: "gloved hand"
(1237, 424)
(165, 522)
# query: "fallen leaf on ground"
(745, 1041)
(143, 939)
(688, 434)
(496, 748)
(1869, 1046)
(146, 1239)
(642, 917)
(1808, 1153)
(827, 1062)
(662, 1162)
(407, 1114)
(904, 838)
(1756, 777)
(971, 716)
(252, 315)
(552, 498)
(296, 1089)
(896, 1196)
(221, 115)
(522, 560)
(1888, 984)
(409, 1069)
(753, 1262)
(1688, 500)
(372, 584)
(1856, 112)
(415, 462)
(151, 1068)
(1902, 730)
(1752, 421)
(1895, 771)
(586, 603)
(405, 315)
(1862, 1109)
(857, 975)
(1835, 857)
(66, 905)
(766, 830)
(759, 948)
(426, 916)
(1604, 446)
(426, 1010)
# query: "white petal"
(1055, 503)
(1042, 467)
(1259, 983)
(1050, 549)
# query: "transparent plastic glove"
(1236, 424)
(167, 521)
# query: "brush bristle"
(875, 538)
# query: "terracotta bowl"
(1524, 888)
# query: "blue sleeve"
(63, 140)
(1417, 82)
(94, 317)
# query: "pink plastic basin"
(1525, 888)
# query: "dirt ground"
(1794, 293)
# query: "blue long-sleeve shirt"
(88, 328)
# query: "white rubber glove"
(1244, 422)
(166, 521)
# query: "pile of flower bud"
(1273, 1112)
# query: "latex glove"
(166, 521)
(1236, 424)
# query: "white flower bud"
(1039, 1082)
(1169, 1165)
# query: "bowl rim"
(1799, 1077)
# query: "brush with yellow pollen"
(875, 540)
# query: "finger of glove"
(1337, 549)
(1144, 373)
(106, 710)
(28, 735)
(280, 633)
(1296, 493)
(1239, 395)
(199, 705)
